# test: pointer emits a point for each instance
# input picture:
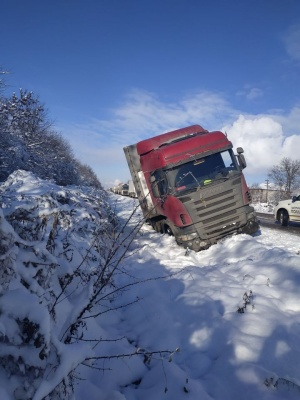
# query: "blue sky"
(113, 72)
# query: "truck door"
(295, 209)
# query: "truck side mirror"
(241, 158)
(242, 161)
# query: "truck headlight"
(190, 236)
(251, 216)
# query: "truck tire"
(283, 217)
(156, 226)
(168, 228)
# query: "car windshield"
(201, 171)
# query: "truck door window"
(227, 160)
(160, 182)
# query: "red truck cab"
(190, 184)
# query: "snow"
(267, 208)
(168, 327)
(223, 354)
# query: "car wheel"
(283, 217)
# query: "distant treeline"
(28, 142)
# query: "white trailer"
(131, 190)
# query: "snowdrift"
(53, 240)
(168, 324)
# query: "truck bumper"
(251, 227)
(196, 243)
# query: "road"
(269, 221)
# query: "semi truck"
(190, 184)
(122, 189)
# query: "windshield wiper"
(184, 176)
(225, 178)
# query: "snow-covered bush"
(56, 256)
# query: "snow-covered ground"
(170, 329)
(190, 303)
(264, 208)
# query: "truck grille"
(216, 210)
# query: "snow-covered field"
(190, 303)
(171, 329)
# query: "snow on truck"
(190, 184)
(288, 210)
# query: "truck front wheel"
(283, 217)
(167, 228)
(156, 225)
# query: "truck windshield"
(201, 172)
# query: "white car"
(288, 210)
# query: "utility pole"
(267, 194)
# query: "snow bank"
(191, 301)
(48, 258)
(168, 324)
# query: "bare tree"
(26, 116)
(87, 176)
(286, 175)
(23, 125)
(2, 80)
(254, 185)
(57, 160)
(29, 143)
